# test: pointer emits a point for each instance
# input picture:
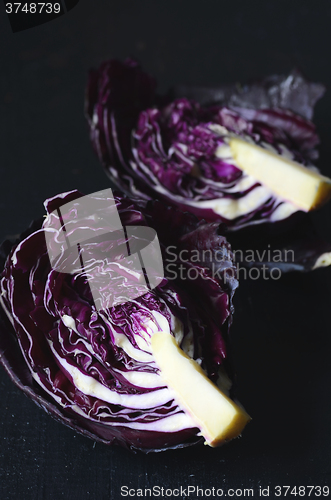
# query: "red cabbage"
(93, 370)
(165, 147)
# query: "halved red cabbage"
(94, 370)
(165, 147)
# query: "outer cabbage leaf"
(293, 245)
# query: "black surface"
(281, 332)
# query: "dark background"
(282, 328)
